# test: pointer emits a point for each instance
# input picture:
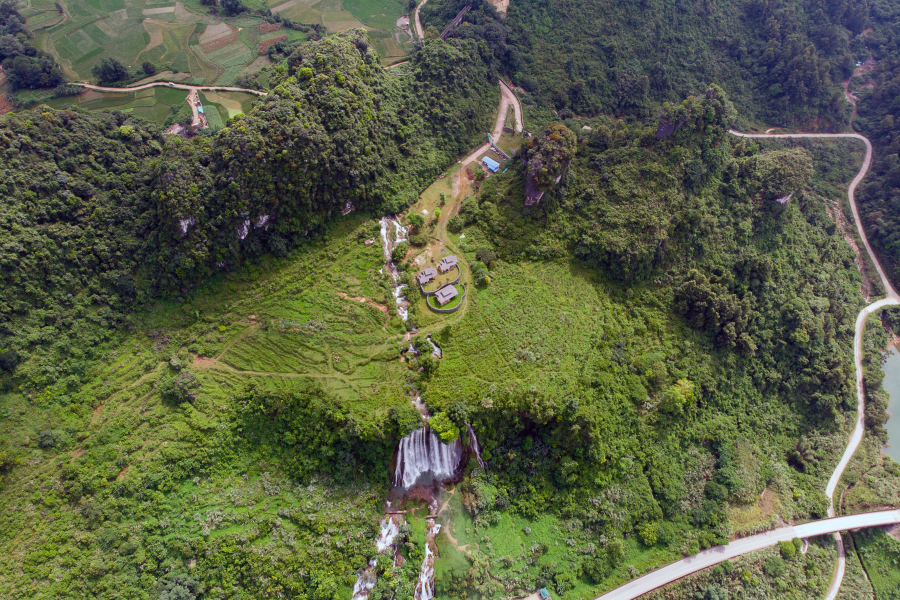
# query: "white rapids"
(367, 578)
(389, 245)
(425, 586)
(422, 454)
(476, 448)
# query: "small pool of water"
(891, 385)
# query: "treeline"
(99, 212)
(879, 120)
(780, 60)
(25, 66)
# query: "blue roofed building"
(492, 165)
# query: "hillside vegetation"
(781, 61)
(98, 212)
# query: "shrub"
(455, 224)
(649, 533)
(182, 388)
(787, 549)
(444, 427)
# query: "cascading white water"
(422, 454)
(388, 245)
(476, 447)
(365, 581)
(425, 586)
(389, 530)
(366, 578)
(435, 349)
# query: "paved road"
(833, 525)
(507, 99)
(179, 86)
(717, 554)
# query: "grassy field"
(880, 555)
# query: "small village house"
(447, 263)
(426, 275)
(446, 294)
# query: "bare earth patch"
(362, 299)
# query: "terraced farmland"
(180, 39)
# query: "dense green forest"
(781, 60)
(99, 212)
(658, 344)
(879, 120)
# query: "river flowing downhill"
(389, 243)
(425, 585)
(366, 578)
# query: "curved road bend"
(507, 99)
(418, 23)
(177, 86)
(713, 556)
(717, 554)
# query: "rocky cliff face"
(548, 157)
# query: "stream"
(891, 385)
(389, 242)
(423, 460)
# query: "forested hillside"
(338, 129)
(879, 111)
(655, 344)
(205, 371)
(746, 385)
(781, 61)
(99, 212)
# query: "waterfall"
(475, 447)
(388, 245)
(425, 587)
(422, 453)
(389, 530)
(435, 349)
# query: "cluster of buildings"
(447, 292)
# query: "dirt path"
(194, 99)
(180, 86)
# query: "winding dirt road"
(178, 86)
(835, 525)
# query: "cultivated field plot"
(180, 37)
(325, 317)
(221, 106)
(377, 17)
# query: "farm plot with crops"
(177, 37)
